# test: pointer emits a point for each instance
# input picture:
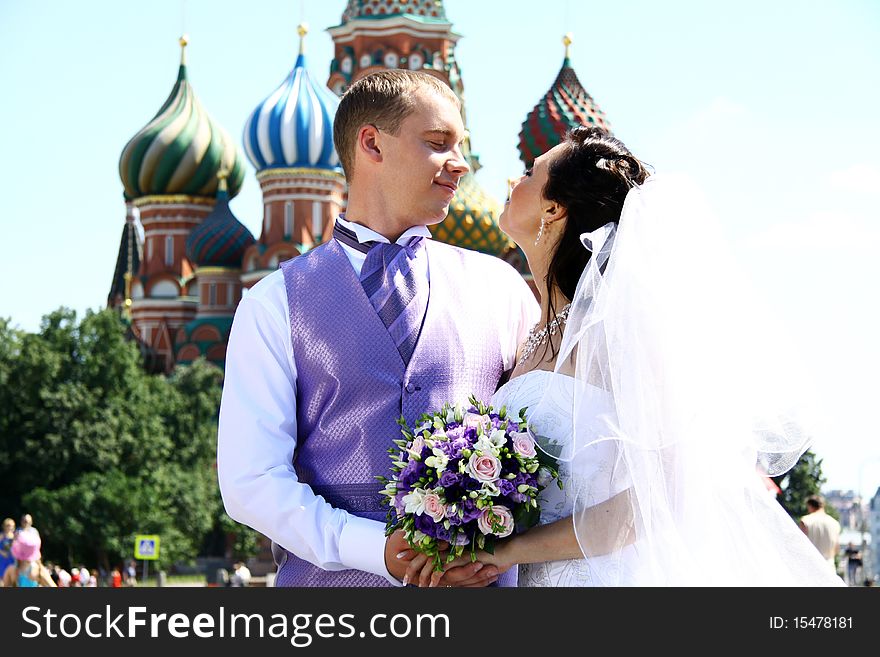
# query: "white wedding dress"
(553, 393)
(682, 386)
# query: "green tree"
(803, 480)
(97, 450)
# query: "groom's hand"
(465, 575)
(398, 555)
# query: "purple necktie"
(395, 280)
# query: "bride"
(657, 382)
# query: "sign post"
(146, 547)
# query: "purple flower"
(449, 478)
(398, 503)
(469, 510)
(425, 524)
(506, 486)
(455, 433)
(411, 473)
(469, 484)
(446, 447)
(509, 466)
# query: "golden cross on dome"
(302, 29)
(567, 40)
(183, 41)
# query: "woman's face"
(521, 219)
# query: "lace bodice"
(548, 397)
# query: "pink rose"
(484, 467)
(497, 515)
(475, 421)
(434, 507)
(415, 449)
(523, 444)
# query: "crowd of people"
(21, 563)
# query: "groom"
(328, 352)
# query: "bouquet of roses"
(467, 476)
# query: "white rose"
(414, 502)
(498, 438)
(438, 460)
(485, 445)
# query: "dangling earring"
(540, 231)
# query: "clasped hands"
(413, 567)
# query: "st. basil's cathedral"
(180, 283)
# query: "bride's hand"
(463, 572)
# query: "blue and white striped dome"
(293, 127)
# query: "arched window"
(317, 220)
(169, 250)
(288, 219)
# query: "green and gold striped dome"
(180, 150)
(472, 222)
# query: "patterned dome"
(472, 222)
(293, 127)
(429, 10)
(221, 239)
(180, 150)
(566, 105)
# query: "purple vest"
(352, 384)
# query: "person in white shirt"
(822, 530)
(314, 385)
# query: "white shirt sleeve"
(257, 439)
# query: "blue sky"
(770, 106)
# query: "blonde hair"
(383, 99)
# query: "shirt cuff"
(362, 547)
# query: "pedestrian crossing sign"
(146, 546)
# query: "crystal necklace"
(536, 338)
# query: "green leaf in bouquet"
(526, 516)
(489, 544)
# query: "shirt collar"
(365, 234)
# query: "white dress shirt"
(257, 430)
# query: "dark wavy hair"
(590, 178)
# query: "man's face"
(423, 163)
